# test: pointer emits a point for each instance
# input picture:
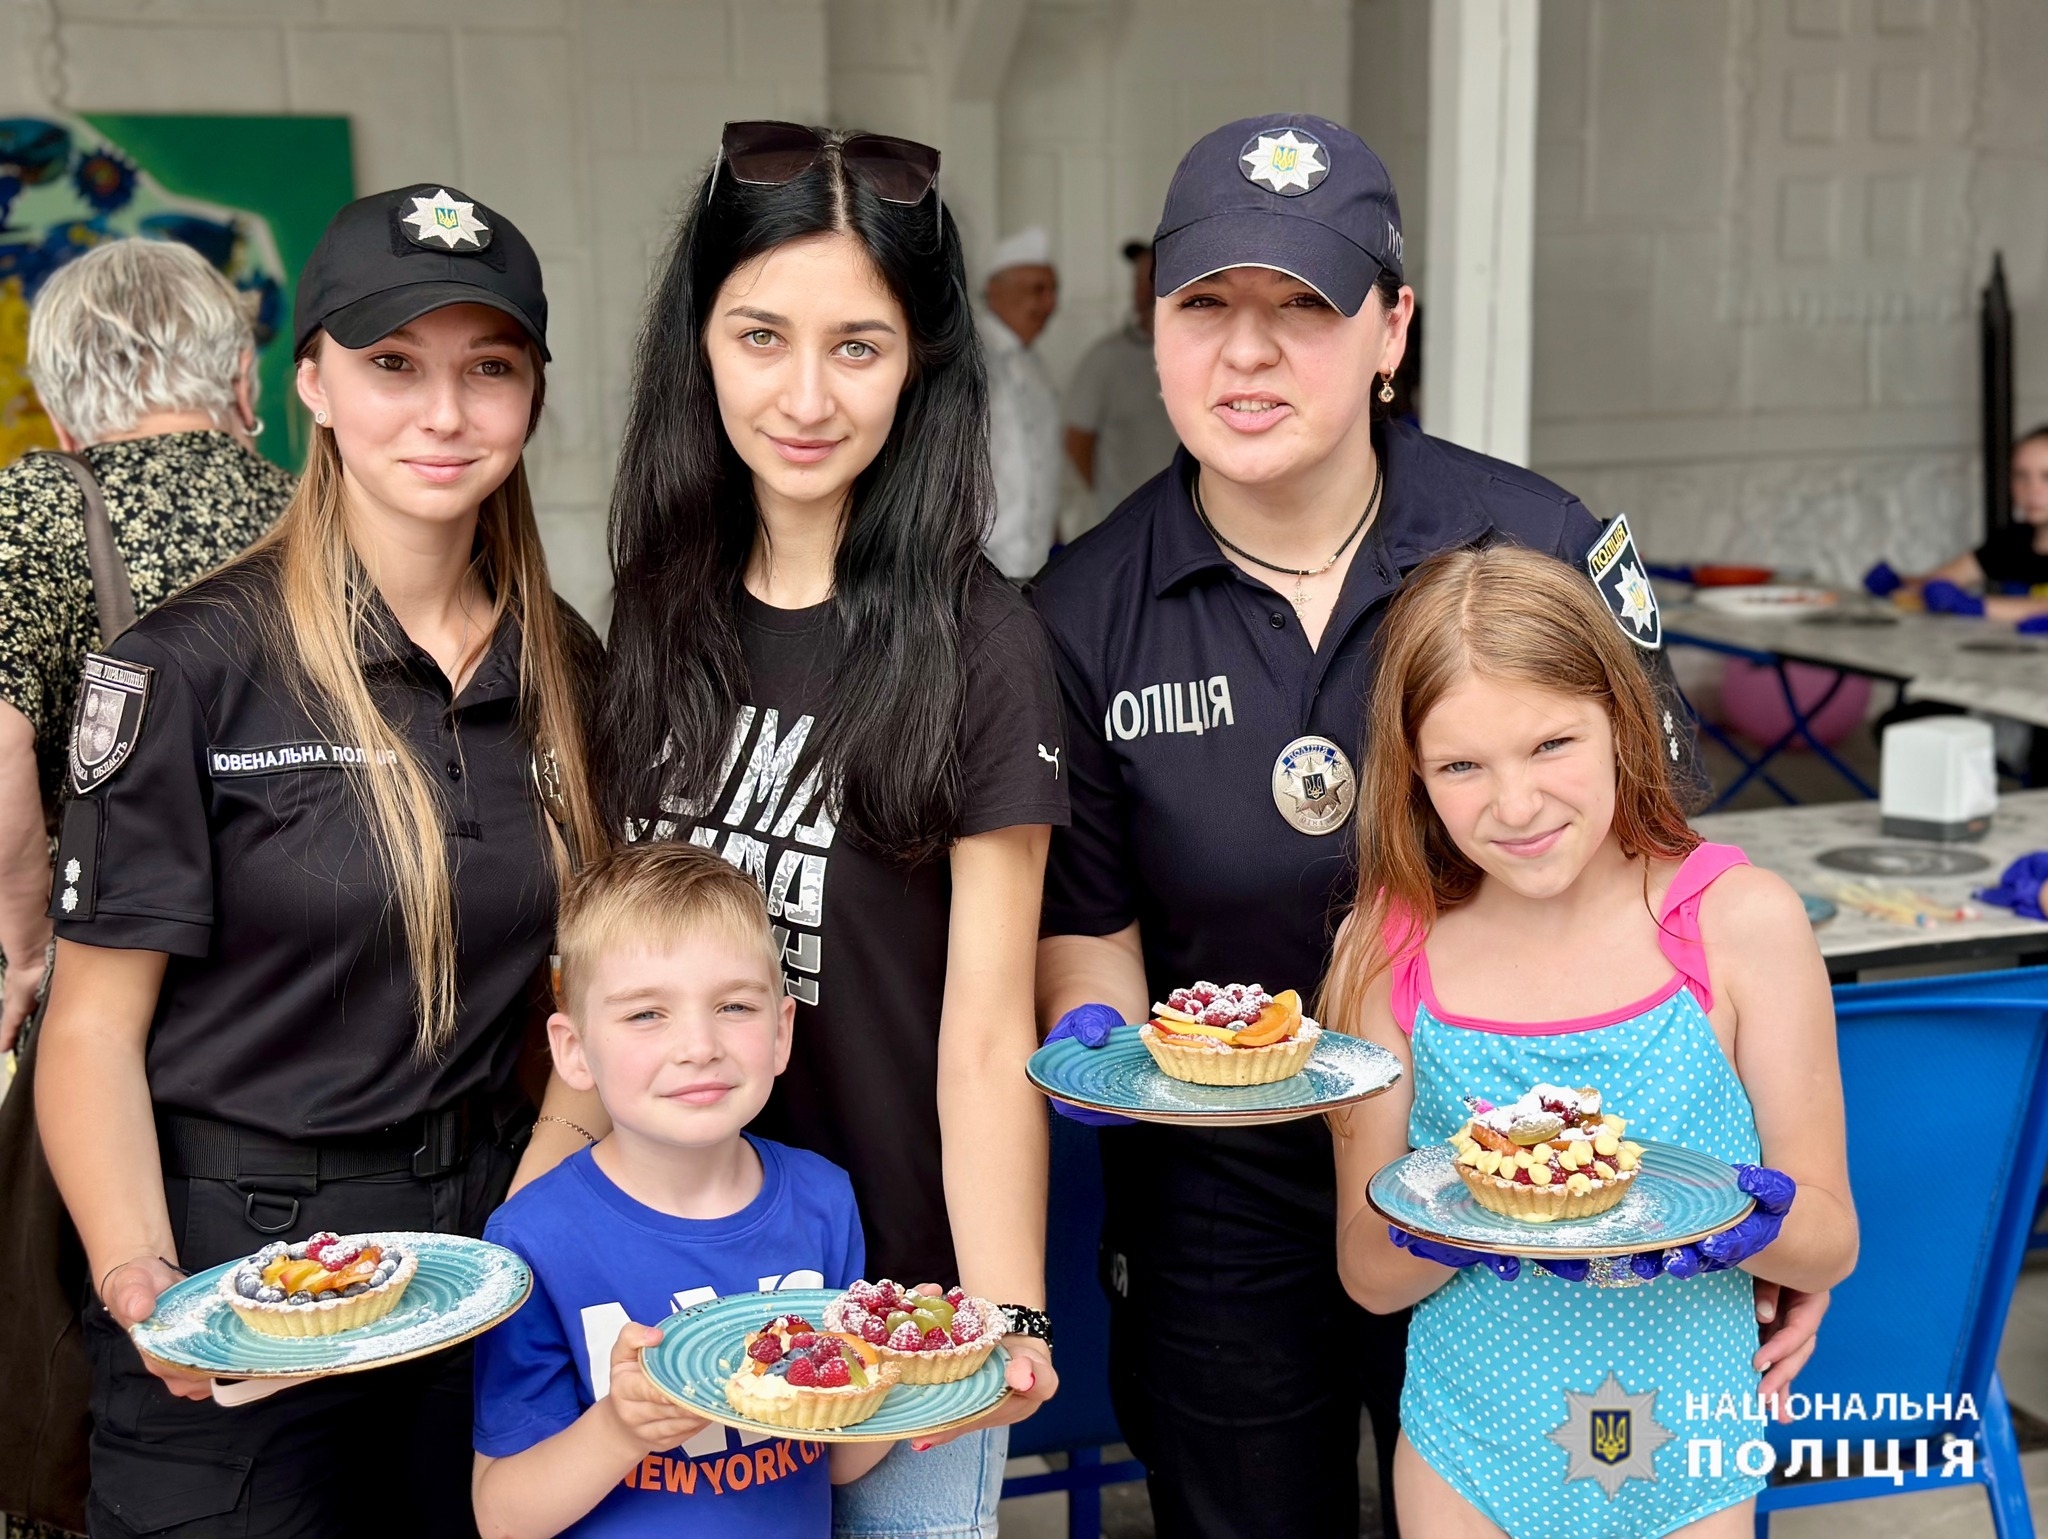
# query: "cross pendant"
(1300, 596)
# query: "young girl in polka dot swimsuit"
(1534, 910)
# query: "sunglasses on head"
(771, 154)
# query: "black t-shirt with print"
(865, 937)
(2010, 561)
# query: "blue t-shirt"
(600, 1259)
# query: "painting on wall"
(251, 194)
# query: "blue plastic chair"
(1926, 1307)
(1078, 1422)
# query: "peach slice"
(1276, 1023)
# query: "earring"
(255, 426)
(320, 417)
(1387, 389)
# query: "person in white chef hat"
(1024, 408)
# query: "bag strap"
(111, 595)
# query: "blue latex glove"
(2019, 889)
(1089, 1025)
(1773, 1191)
(1506, 1268)
(1881, 581)
(2033, 625)
(1945, 598)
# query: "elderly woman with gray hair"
(144, 357)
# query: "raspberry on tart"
(1230, 1034)
(807, 1379)
(932, 1338)
(320, 1286)
(1555, 1153)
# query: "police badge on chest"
(1313, 785)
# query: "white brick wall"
(1761, 229)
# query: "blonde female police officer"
(1213, 643)
(306, 886)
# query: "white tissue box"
(1939, 779)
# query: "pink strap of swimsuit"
(1403, 939)
(1678, 935)
(1678, 927)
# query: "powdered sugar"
(1445, 1207)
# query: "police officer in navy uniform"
(306, 887)
(1213, 640)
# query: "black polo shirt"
(230, 835)
(1183, 677)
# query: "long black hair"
(683, 523)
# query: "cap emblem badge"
(1290, 162)
(446, 222)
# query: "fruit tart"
(929, 1338)
(1553, 1154)
(319, 1286)
(797, 1376)
(1235, 1034)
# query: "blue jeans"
(948, 1492)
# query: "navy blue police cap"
(391, 257)
(1289, 191)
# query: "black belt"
(426, 1147)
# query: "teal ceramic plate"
(1121, 1077)
(701, 1346)
(463, 1287)
(1679, 1197)
(1818, 910)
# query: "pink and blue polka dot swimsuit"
(1490, 1363)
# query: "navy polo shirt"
(1183, 677)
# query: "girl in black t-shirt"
(815, 672)
(2011, 566)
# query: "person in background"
(1118, 434)
(1023, 407)
(2010, 569)
(144, 357)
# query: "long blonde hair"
(1503, 612)
(323, 615)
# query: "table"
(1976, 665)
(1787, 840)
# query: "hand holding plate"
(1089, 1025)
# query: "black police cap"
(391, 257)
(1289, 191)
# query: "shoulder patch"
(1617, 571)
(111, 700)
